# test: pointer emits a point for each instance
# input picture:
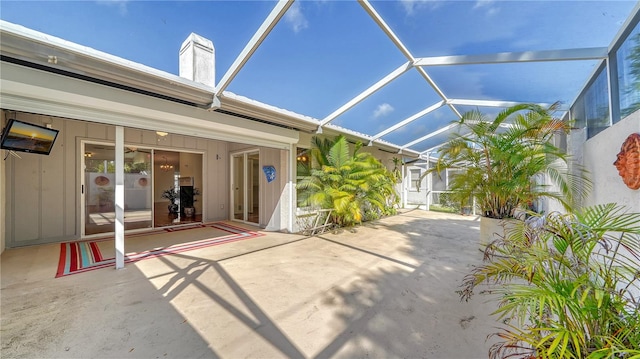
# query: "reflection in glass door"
(245, 187)
(99, 188)
(178, 182)
(137, 188)
(238, 187)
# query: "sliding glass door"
(98, 188)
(161, 188)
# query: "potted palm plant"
(171, 194)
(567, 285)
(505, 162)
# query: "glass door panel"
(99, 189)
(238, 187)
(245, 181)
(137, 188)
(178, 187)
(253, 187)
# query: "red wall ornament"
(628, 162)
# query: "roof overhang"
(58, 54)
(53, 54)
(32, 90)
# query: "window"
(303, 163)
(577, 113)
(628, 61)
(413, 179)
(303, 167)
(596, 100)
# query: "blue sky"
(323, 53)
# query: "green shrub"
(355, 185)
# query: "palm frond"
(569, 285)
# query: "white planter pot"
(492, 229)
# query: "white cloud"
(295, 17)
(483, 3)
(382, 110)
(120, 4)
(411, 6)
(487, 5)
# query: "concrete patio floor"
(382, 290)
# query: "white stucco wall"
(598, 156)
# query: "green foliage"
(98, 166)
(171, 194)
(568, 285)
(138, 167)
(447, 200)
(355, 185)
(443, 209)
(396, 172)
(498, 160)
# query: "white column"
(3, 196)
(291, 183)
(404, 185)
(429, 191)
(119, 234)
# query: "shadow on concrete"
(383, 290)
(409, 308)
(262, 324)
(101, 314)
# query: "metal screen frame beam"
(494, 103)
(408, 120)
(431, 134)
(363, 95)
(400, 45)
(261, 34)
(589, 53)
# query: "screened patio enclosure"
(393, 75)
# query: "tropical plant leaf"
(569, 282)
(354, 184)
(503, 162)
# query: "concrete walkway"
(382, 290)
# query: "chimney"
(197, 60)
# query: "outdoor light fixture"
(88, 154)
(161, 135)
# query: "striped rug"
(82, 256)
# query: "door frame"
(82, 188)
(201, 186)
(83, 185)
(246, 172)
